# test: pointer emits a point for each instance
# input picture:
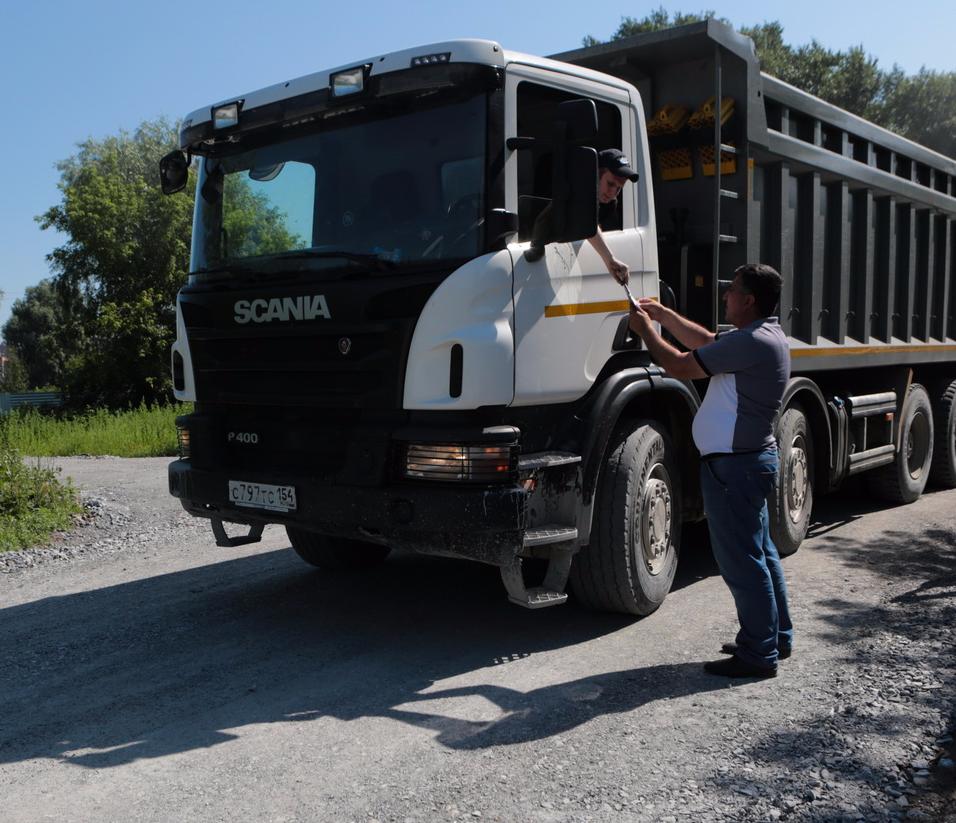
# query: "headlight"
(182, 438)
(455, 462)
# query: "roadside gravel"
(242, 685)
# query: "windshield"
(401, 188)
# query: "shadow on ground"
(169, 664)
(893, 655)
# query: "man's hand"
(653, 308)
(618, 270)
(640, 322)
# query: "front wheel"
(791, 501)
(335, 553)
(630, 563)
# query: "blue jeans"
(735, 489)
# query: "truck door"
(568, 308)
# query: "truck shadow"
(182, 661)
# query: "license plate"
(262, 496)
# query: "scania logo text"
(283, 309)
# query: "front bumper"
(478, 523)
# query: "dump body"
(858, 220)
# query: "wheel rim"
(917, 445)
(653, 523)
(798, 478)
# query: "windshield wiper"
(264, 264)
(376, 261)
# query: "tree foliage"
(921, 107)
(14, 377)
(45, 331)
(101, 329)
(127, 251)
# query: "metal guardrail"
(9, 402)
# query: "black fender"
(610, 401)
(815, 405)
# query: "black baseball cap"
(615, 162)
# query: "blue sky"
(73, 70)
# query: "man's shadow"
(555, 709)
(186, 660)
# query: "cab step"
(550, 592)
(222, 539)
(546, 460)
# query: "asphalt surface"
(147, 675)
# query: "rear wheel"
(943, 471)
(791, 501)
(630, 563)
(335, 552)
(903, 480)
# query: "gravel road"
(146, 675)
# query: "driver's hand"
(618, 270)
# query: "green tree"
(127, 246)
(14, 376)
(923, 107)
(45, 331)
(126, 255)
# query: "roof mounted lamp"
(348, 81)
(226, 116)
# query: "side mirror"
(578, 120)
(574, 183)
(173, 172)
(500, 225)
(574, 207)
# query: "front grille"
(354, 360)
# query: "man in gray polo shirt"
(748, 368)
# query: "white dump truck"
(384, 352)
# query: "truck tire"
(791, 501)
(903, 480)
(943, 471)
(630, 563)
(335, 553)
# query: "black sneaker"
(735, 667)
(731, 648)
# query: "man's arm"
(683, 365)
(686, 331)
(617, 269)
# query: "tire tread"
(602, 578)
(943, 469)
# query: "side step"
(223, 539)
(543, 535)
(550, 592)
(546, 460)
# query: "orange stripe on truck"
(601, 307)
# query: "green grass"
(142, 432)
(33, 501)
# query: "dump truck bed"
(857, 219)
